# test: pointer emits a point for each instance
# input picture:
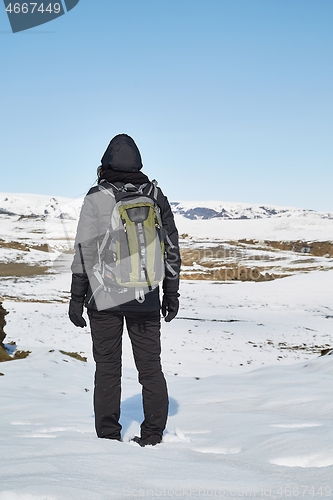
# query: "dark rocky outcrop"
(3, 313)
(3, 353)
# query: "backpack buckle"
(129, 188)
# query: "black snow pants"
(144, 333)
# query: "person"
(108, 309)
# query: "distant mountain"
(31, 205)
(206, 210)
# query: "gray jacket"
(92, 226)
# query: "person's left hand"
(170, 307)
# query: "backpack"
(131, 254)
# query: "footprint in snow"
(176, 437)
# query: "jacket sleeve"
(172, 260)
(85, 247)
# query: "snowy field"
(251, 399)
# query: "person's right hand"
(75, 313)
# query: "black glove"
(170, 307)
(75, 313)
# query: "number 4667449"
(30, 8)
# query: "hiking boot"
(112, 438)
(148, 441)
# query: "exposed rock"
(4, 356)
(3, 313)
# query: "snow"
(292, 228)
(39, 205)
(224, 434)
(235, 428)
(227, 210)
(251, 399)
(263, 222)
(54, 206)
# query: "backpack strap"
(140, 295)
(153, 189)
(142, 187)
(130, 188)
(101, 247)
(106, 191)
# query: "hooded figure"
(121, 164)
(122, 155)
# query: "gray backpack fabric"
(132, 253)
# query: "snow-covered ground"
(251, 399)
(266, 433)
(295, 227)
(221, 328)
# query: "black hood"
(122, 155)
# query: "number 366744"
(33, 7)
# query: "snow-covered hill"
(195, 210)
(39, 205)
(60, 207)
(208, 220)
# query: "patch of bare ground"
(316, 248)
(233, 274)
(21, 269)
(74, 355)
(251, 260)
(322, 350)
(24, 247)
(63, 300)
(10, 353)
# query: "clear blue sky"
(227, 99)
